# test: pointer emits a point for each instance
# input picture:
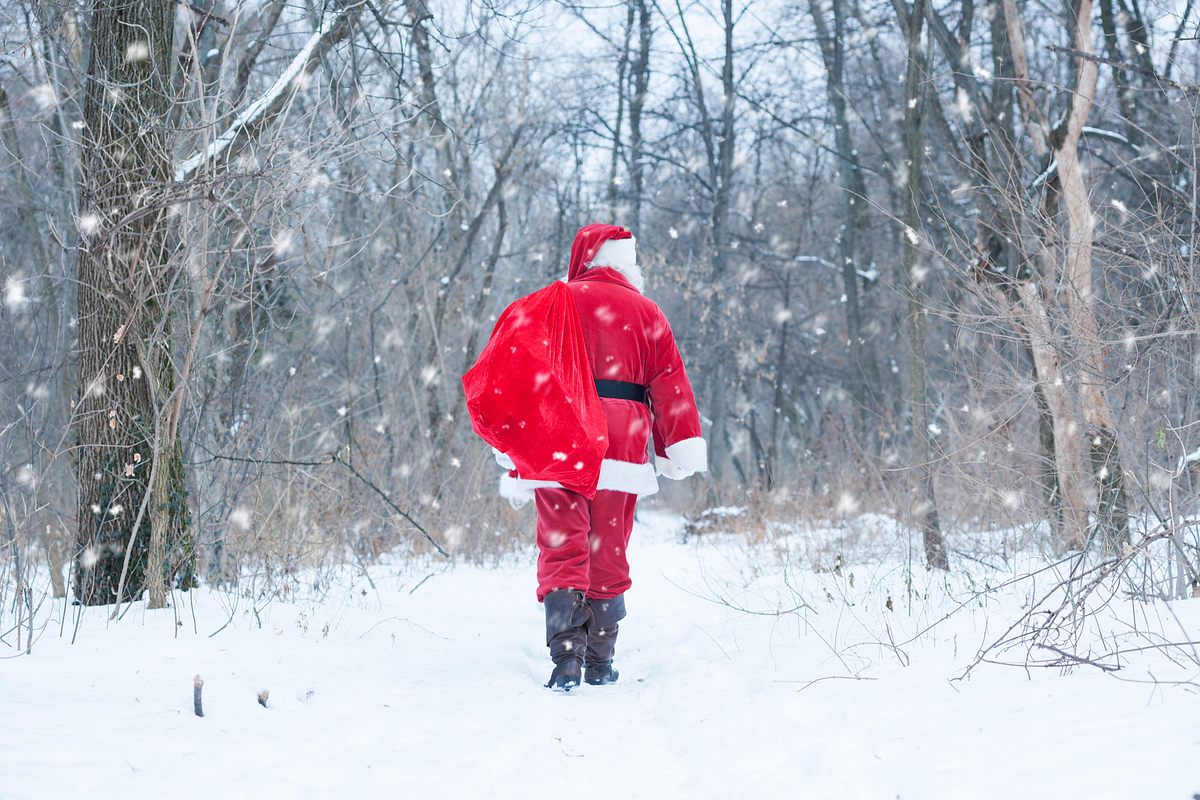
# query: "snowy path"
(438, 694)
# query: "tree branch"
(335, 27)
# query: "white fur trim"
(617, 476)
(625, 476)
(621, 255)
(502, 459)
(684, 458)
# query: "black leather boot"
(602, 640)
(567, 615)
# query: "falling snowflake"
(137, 51)
(453, 536)
(88, 223)
(14, 294)
(44, 95)
(281, 242)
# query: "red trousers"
(581, 543)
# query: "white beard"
(633, 274)
(621, 255)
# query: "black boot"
(567, 616)
(602, 640)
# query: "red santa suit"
(582, 542)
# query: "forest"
(930, 265)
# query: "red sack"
(531, 394)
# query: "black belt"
(622, 390)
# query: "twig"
(422, 582)
(1125, 65)
(197, 688)
(831, 678)
(388, 500)
(336, 459)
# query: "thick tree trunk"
(922, 447)
(123, 303)
(1067, 438)
(1112, 519)
(1095, 422)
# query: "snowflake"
(88, 223)
(281, 242)
(44, 95)
(14, 294)
(137, 51)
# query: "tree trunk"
(722, 171)
(1112, 519)
(862, 366)
(922, 446)
(1068, 451)
(637, 102)
(615, 155)
(124, 279)
(1063, 145)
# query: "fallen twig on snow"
(197, 688)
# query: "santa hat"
(600, 245)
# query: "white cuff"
(683, 459)
(503, 460)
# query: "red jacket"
(628, 338)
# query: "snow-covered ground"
(433, 689)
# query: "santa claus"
(583, 571)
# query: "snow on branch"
(1107, 134)
(1047, 173)
(1186, 461)
(335, 26)
(871, 274)
(1087, 130)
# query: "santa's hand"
(503, 460)
(669, 469)
(683, 459)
